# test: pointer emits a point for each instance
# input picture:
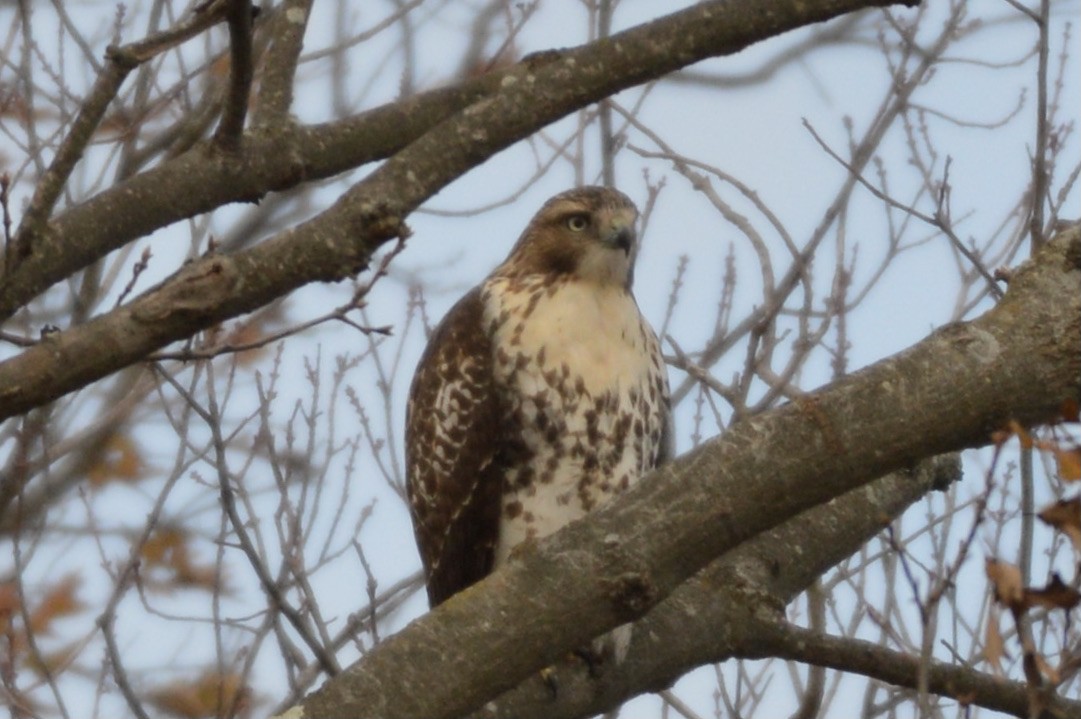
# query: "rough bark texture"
(1019, 361)
(733, 607)
(437, 137)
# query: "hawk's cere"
(541, 394)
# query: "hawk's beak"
(619, 230)
(623, 238)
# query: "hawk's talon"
(593, 660)
(548, 676)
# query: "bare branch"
(340, 241)
(634, 556)
(241, 69)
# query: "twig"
(669, 697)
(1039, 161)
(325, 658)
(108, 616)
(681, 361)
(120, 62)
(5, 207)
(340, 314)
(241, 69)
(372, 585)
(140, 266)
(938, 221)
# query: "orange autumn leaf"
(1056, 595)
(168, 548)
(54, 662)
(1071, 410)
(9, 605)
(119, 460)
(1022, 434)
(60, 601)
(1065, 516)
(162, 544)
(203, 697)
(1006, 580)
(1069, 463)
(993, 646)
(198, 576)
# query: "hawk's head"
(587, 233)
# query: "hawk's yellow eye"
(577, 223)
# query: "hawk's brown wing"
(452, 447)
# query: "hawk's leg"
(593, 659)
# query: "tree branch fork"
(430, 140)
(1019, 362)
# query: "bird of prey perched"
(541, 394)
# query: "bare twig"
(241, 69)
(120, 62)
(939, 220)
(1040, 174)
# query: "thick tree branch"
(733, 609)
(520, 101)
(720, 612)
(202, 180)
(1019, 361)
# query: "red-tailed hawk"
(541, 394)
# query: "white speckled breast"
(583, 378)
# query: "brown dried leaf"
(119, 460)
(248, 334)
(1000, 437)
(1069, 463)
(1006, 580)
(20, 704)
(1056, 595)
(60, 601)
(9, 605)
(196, 576)
(1022, 434)
(1071, 411)
(993, 646)
(1065, 516)
(162, 545)
(55, 661)
(169, 548)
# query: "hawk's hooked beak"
(619, 230)
(623, 238)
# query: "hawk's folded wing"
(453, 445)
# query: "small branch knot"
(631, 593)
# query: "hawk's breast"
(585, 392)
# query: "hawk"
(541, 394)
